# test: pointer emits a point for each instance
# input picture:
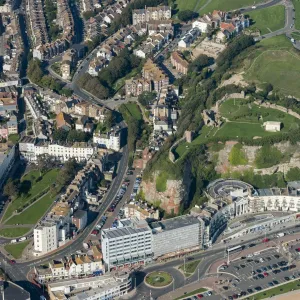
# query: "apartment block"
(46, 237)
(151, 13)
(99, 287)
(30, 149)
(179, 62)
(135, 87)
(152, 72)
(109, 140)
(176, 234)
(129, 244)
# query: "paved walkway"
(208, 283)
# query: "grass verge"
(14, 232)
(16, 250)
(282, 289)
(190, 267)
(195, 292)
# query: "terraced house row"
(44, 48)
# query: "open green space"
(161, 181)
(189, 268)
(246, 119)
(281, 68)
(16, 250)
(189, 5)
(32, 214)
(275, 42)
(296, 4)
(31, 186)
(195, 292)
(238, 156)
(227, 5)
(14, 232)
(268, 19)
(282, 289)
(158, 279)
(14, 138)
(134, 110)
(206, 133)
(295, 35)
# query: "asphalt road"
(208, 256)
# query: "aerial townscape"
(149, 149)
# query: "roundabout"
(158, 279)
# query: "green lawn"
(16, 250)
(195, 292)
(245, 119)
(285, 288)
(14, 232)
(190, 267)
(227, 5)
(189, 5)
(159, 279)
(134, 110)
(36, 188)
(296, 35)
(161, 181)
(297, 13)
(268, 19)
(281, 68)
(276, 42)
(14, 138)
(33, 213)
(206, 133)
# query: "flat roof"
(175, 223)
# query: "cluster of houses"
(227, 25)
(44, 48)
(100, 22)
(8, 114)
(12, 46)
(111, 47)
(71, 267)
(153, 79)
(68, 216)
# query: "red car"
(265, 240)
(12, 261)
(298, 249)
(266, 274)
(200, 296)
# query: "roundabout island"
(159, 279)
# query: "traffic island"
(159, 279)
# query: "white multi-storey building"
(110, 140)
(45, 237)
(99, 287)
(30, 149)
(176, 234)
(131, 243)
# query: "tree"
(67, 92)
(187, 15)
(293, 174)
(77, 136)
(199, 63)
(88, 14)
(11, 189)
(44, 163)
(146, 98)
(60, 135)
(34, 71)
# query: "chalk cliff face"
(176, 193)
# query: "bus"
(235, 249)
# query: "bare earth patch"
(237, 79)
